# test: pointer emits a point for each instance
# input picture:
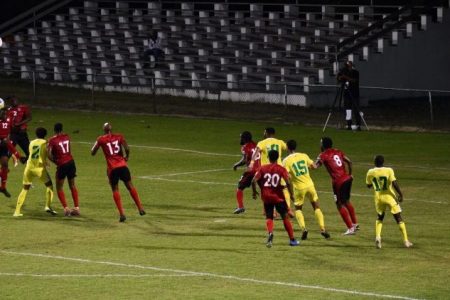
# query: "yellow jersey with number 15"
(381, 179)
(271, 144)
(38, 154)
(297, 165)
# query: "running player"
(298, 164)
(269, 179)
(113, 146)
(387, 191)
(36, 167)
(336, 162)
(248, 147)
(21, 115)
(59, 152)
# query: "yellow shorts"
(385, 201)
(30, 173)
(308, 193)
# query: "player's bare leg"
(62, 196)
(4, 176)
(74, 191)
(135, 196)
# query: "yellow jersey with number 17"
(381, 179)
(271, 144)
(38, 154)
(297, 165)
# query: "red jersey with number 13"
(59, 146)
(269, 179)
(333, 159)
(111, 145)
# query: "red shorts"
(246, 180)
(342, 190)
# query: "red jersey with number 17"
(59, 147)
(333, 159)
(111, 145)
(269, 179)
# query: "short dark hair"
(379, 160)
(273, 155)
(291, 144)
(58, 127)
(246, 136)
(327, 142)
(270, 130)
(41, 132)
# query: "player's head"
(379, 161)
(12, 100)
(41, 132)
(326, 143)
(349, 64)
(291, 145)
(273, 156)
(269, 131)
(246, 137)
(107, 127)
(58, 128)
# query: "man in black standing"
(348, 77)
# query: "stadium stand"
(230, 46)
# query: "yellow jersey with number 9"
(271, 144)
(297, 165)
(38, 154)
(381, 179)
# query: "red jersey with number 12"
(269, 179)
(111, 145)
(59, 146)
(5, 127)
(333, 159)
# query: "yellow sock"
(300, 219)
(403, 230)
(378, 227)
(48, 196)
(287, 196)
(320, 219)
(21, 200)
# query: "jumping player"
(269, 179)
(21, 115)
(336, 162)
(59, 152)
(387, 191)
(298, 164)
(36, 167)
(113, 146)
(248, 147)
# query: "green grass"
(190, 226)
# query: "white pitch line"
(96, 275)
(186, 173)
(213, 275)
(234, 184)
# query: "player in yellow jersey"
(36, 167)
(298, 164)
(387, 193)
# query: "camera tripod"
(341, 90)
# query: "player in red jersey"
(20, 115)
(6, 149)
(113, 145)
(336, 161)
(269, 178)
(59, 152)
(248, 147)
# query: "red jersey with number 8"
(111, 145)
(333, 159)
(269, 179)
(59, 146)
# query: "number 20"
(272, 180)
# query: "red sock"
(12, 149)
(62, 198)
(351, 211)
(288, 226)
(269, 225)
(136, 199)
(345, 216)
(75, 196)
(240, 198)
(4, 175)
(116, 196)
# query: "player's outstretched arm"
(95, 149)
(398, 190)
(349, 164)
(126, 148)
(239, 163)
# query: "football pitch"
(190, 245)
